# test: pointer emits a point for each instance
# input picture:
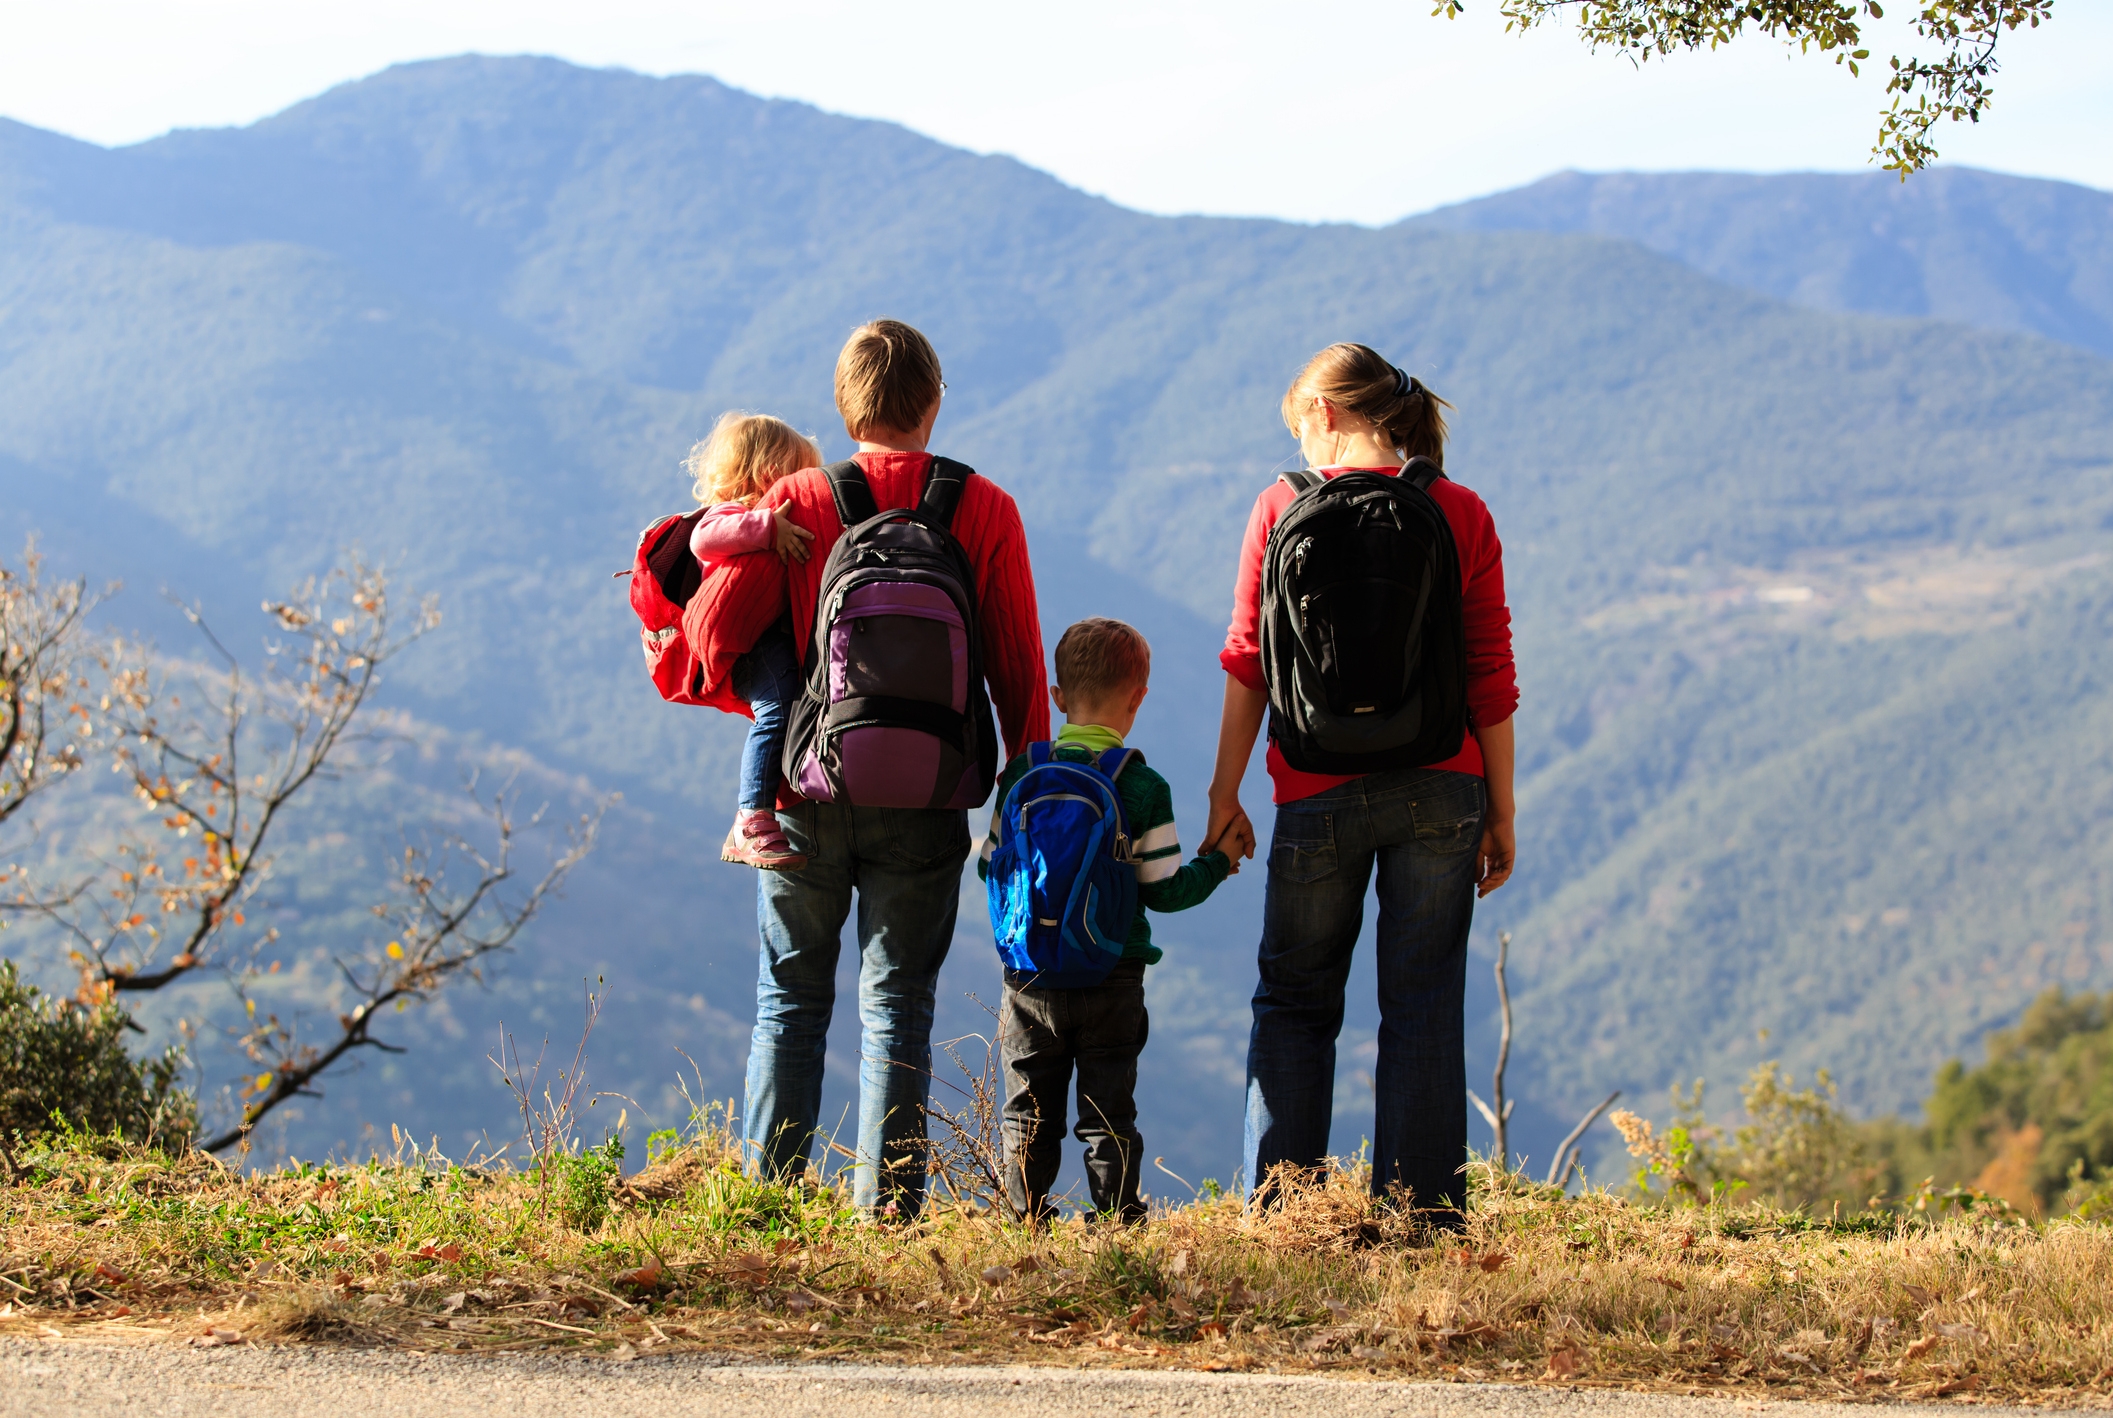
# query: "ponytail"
(1361, 381)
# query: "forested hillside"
(1812, 606)
(1981, 248)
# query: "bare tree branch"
(1567, 1152)
(44, 664)
(150, 922)
(438, 936)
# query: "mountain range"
(1806, 485)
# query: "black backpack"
(1363, 641)
(895, 713)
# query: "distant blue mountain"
(1811, 605)
(1952, 243)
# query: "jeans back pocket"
(1302, 848)
(1451, 822)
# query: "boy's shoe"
(757, 840)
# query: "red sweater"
(743, 596)
(1492, 682)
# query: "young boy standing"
(1102, 670)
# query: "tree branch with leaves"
(45, 660)
(438, 934)
(218, 757)
(220, 774)
(1953, 87)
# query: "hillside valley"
(1812, 603)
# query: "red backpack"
(664, 575)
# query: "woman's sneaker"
(758, 841)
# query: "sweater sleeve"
(730, 529)
(1492, 676)
(1012, 628)
(1164, 882)
(739, 599)
(1242, 655)
(1191, 885)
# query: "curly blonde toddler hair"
(744, 455)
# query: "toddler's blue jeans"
(768, 677)
(1421, 829)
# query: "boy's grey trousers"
(1043, 1035)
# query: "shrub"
(588, 1178)
(1798, 1149)
(62, 1061)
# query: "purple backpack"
(895, 713)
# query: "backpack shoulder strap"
(1112, 763)
(1302, 480)
(943, 483)
(1038, 754)
(854, 495)
(1421, 472)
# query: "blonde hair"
(745, 454)
(1360, 380)
(1099, 657)
(887, 377)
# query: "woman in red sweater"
(1439, 835)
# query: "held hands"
(1230, 832)
(1500, 843)
(792, 539)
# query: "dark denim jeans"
(1421, 828)
(905, 865)
(1042, 1035)
(768, 677)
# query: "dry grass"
(1590, 1290)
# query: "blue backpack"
(1063, 884)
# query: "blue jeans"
(905, 864)
(1422, 828)
(768, 677)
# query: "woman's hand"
(1230, 832)
(1500, 843)
(792, 539)
(1500, 839)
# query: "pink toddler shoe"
(757, 841)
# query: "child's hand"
(792, 539)
(1230, 832)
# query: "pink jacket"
(730, 529)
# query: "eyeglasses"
(942, 388)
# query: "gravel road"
(84, 1379)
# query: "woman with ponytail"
(1439, 834)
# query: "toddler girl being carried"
(733, 468)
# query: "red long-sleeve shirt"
(1492, 681)
(744, 595)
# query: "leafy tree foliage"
(63, 1060)
(1953, 87)
(2052, 1075)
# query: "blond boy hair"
(887, 378)
(744, 455)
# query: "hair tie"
(1405, 385)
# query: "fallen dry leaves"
(1578, 1291)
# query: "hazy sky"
(1360, 110)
